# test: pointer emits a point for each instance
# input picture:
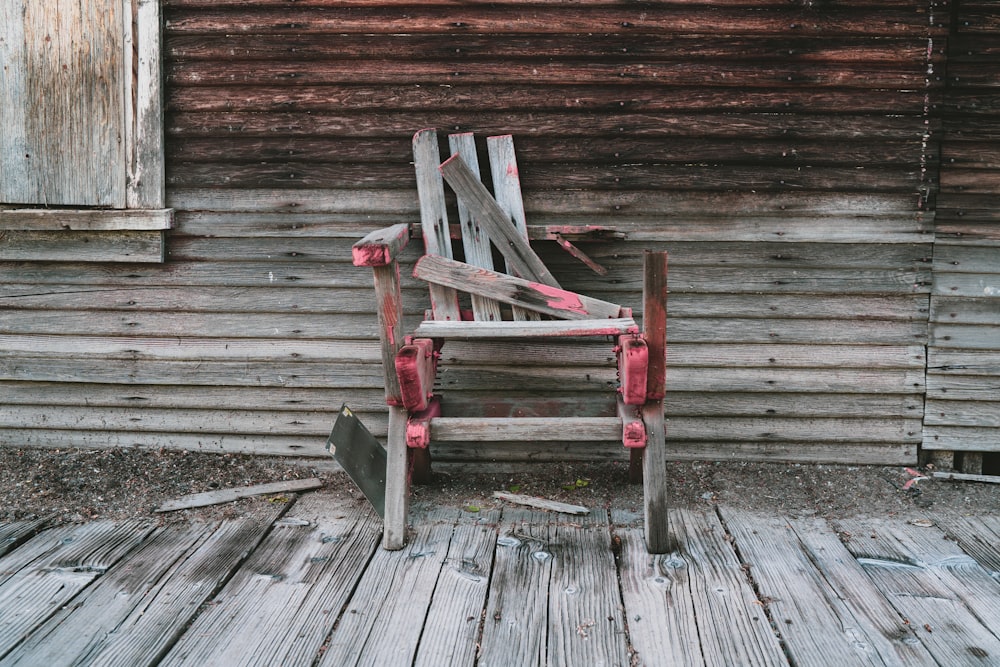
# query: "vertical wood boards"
(60, 146)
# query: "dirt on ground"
(81, 485)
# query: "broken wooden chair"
(525, 302)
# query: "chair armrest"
(382, 246)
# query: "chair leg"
(654, 480)
(396, 481)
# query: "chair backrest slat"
(475, 241)
(434, 217)
(507, 190)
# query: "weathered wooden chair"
(536, 307)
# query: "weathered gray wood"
(434, 216)
(135, 612)
(541, 503)
(515, 626)
(475, 240)
(397, 481)
(282, 603)
(229, 495)
(510, 289)
(965, 477)
(495, 221)
(13, 534)
(53, 567)
(390, 326)
(693, 606)
(979, 536)
(59, 148)
(83, 246)
(146, 185)
(946, 597)
(451, 629)
(34, 219)
(586, 624)
(962, 438)
(374, 629)
(783, 573)
(507, 191)
(549, 328)
(892, 639)
(526, 428)
(381, 246)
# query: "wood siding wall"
(784, 153)
(963, 392)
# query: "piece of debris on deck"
(220, 496)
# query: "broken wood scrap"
(541, 503)
(220, 496)
(967, 477)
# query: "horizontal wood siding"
(783, 153)
(963, 378)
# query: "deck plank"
(942, 593)
(452, 627)
(893, 640)
(814, 623)
(693, 606)
(282, 603)
(382, 623)
(514, 629)
(979, 536)
(586, 621)
(12, 535)
(47, 571)
(105, 612)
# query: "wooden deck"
(308, 585)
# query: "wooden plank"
(58, 148)
(978, 536)
(381, 246)
(475, 240)
(137, 610)
(892, 639)
(280, 605)
(985, 413)
(510, 289)
(83, 246)
(451, 630)
(966, 477)
(963, 336)
(541, 503)
(515, 626)
(940, 590)
(38, 220)
(507, 191)
(525, 428)
(53, 567)
(693, 606)
(434, 216)
(146, 184)
(812, 619)
(12, 535)
(373, 614)
(962, 438)
(495, 221)
(230, 495)
(586, 624)
(543, 329)
(397, 481)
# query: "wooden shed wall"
(783, 152)
(963, 393)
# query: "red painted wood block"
(380, 247)
(416, 366)
(418, 426)
(633, 362)
(634, 434)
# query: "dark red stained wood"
(553, 20)
(654, 322)
(416, 366)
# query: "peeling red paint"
(560, 299)
(418, 426)
(370, 255)
(634, 435)
(633, 363)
